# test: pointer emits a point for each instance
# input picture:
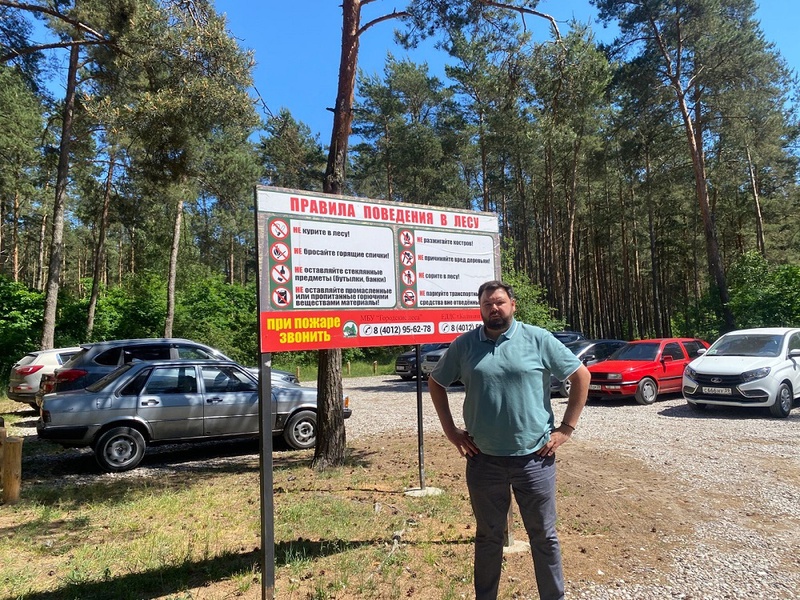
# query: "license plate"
(717, 390)
(594, 386)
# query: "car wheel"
(697, 407)
(646, 391)
(301, 430)
(120, 449)
(565, 387)
(783, 402)
(406, 377)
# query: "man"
(510, 437)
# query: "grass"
(308, 373)
(192, 529)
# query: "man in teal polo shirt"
(510, 437)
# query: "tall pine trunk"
(173, 268)
(331, 441)
(100, 249)
(62, 176)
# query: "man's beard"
(497, 323)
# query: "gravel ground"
(742, 466)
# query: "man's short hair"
(491, 286)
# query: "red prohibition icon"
(279, 251)
(406, 238)
(281, 297)
(281, 274)
(279, 229)
(409, 297)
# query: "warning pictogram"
(281, 274)
(409, 277)
(409, 297)
(407, 258)
(279, 229)
(406, 238)
(281, 297)
(279, 251)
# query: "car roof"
(188, 361)
(55, 350)
(764, 330)
(133, 341)
(668, 339)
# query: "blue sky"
(296, 45)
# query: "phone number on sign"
(395, 329)
(458, 326)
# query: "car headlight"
(616, 376)
(755, 374)
(691, 373)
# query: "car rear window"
(113, 376)
(640, 351)
(109, 358)
(26, 360)
(65, 356)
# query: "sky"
(297, 42)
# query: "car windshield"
(113, 376)
(760, 344)
(643, 351)
(578, 345)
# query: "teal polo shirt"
(507, 407)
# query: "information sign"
(339, 272)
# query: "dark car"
(100, 358)
(150, 402)
(590, 352)
(565, 337)
(406, 366)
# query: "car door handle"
(214, 399)
(150, 402)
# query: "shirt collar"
(508, 333)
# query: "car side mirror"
(794, 353)
(588, 357)
(701, 351)
(667, 358)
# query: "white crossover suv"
(750, 367)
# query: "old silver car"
(151, 402)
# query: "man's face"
(497, 310)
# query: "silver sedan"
(148, 402)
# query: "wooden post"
(297, 372)
(348, 367)
(508, 538)
(2, 443)
(12, 469)
(374, 367)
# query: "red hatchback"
(644, 369)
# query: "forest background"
(645, 187)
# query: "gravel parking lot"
(738, 470)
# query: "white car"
(750, 367)
(27, 372)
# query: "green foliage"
(763, 295)
(21, 312)
(221, 315)
(531, 307)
